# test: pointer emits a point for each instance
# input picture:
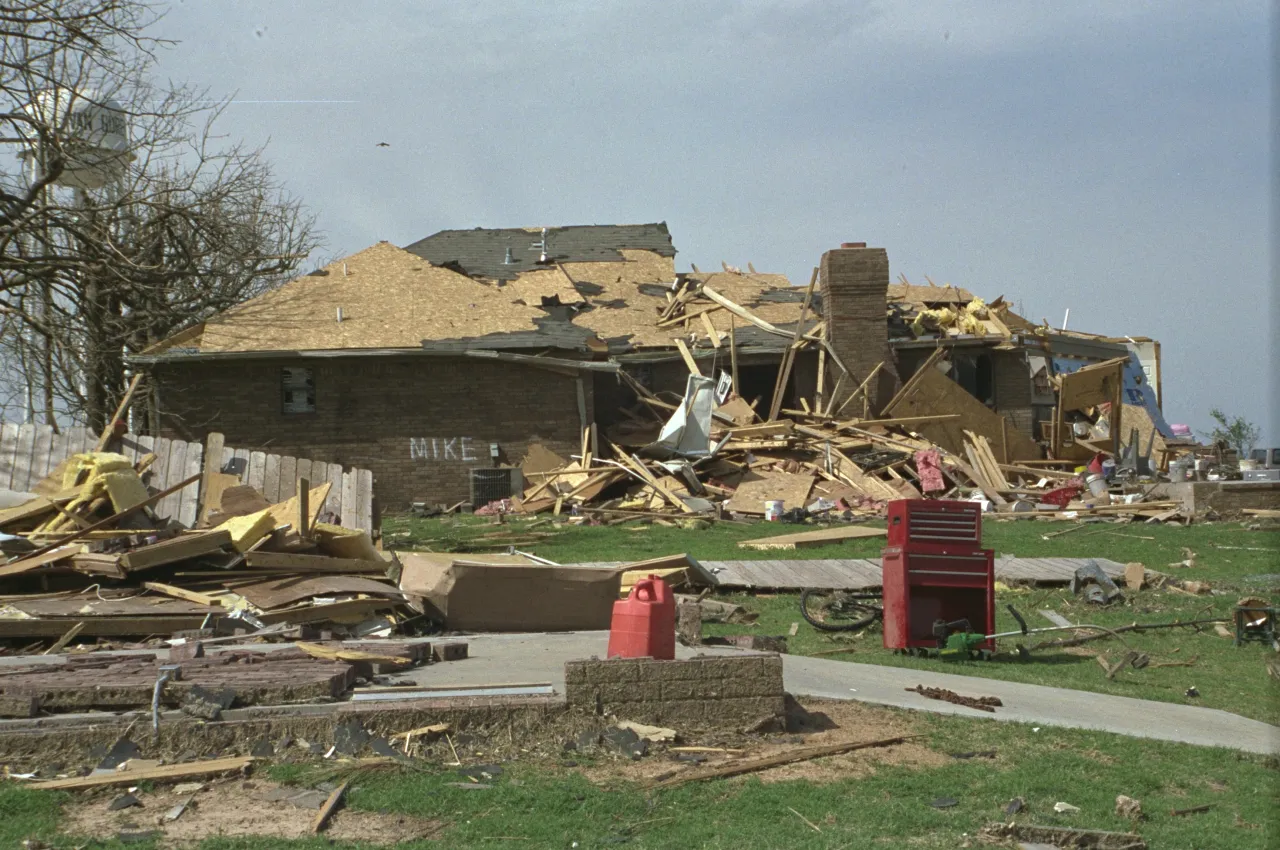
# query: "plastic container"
(644, 624)
(773, 510)
(1097, 485)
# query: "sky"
(1106, 158)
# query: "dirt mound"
(232, 809)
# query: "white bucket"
(1097, 485)
(773, 510)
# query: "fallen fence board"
(808, 539)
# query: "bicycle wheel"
(837, 611)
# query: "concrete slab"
(540, 658)
(506, 659)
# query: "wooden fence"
(30, 452)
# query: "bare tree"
(39, 40)
(182, 229)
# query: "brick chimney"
(855, 285)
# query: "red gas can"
(644, 624)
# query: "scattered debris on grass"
(980, 703)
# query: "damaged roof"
(381, 297)
(482, 252)
(386, 297)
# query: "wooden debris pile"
(835, 456)
(88, 559)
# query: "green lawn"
(538, 804)
(1227, 555)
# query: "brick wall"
(1013, 389)
(706, 692)
(854, 285)
(420, 423)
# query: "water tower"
(92, 134)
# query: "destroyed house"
(440, 365)
(1016, 368)
(446, 365)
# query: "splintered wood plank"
(240, 460)
(688, 358)
(271, 479)
(174, 472)
(21, 478)
(350, 510)
(809, 539)
(364, 498)
(189, 496)
(214, 445)
(333, 504)
(176, 549)
(304, 470)
(257, 470)
(160, 469)
(288, 478)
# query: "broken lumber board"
(175, 549)
(109, 430)
(330, 806)
(688, 358)
(764, 429)
(61, 642)
(32, 562)
(808, 539)
(712, 333)
(791, 756)
(789, 357)
(688, 314)
(40, 627)
(212, 767)
(313, 500)
(742, 312)
(296, 563)
(111, 520)
(182, 593)
(303, 614)
(97, 563)
(211, 493)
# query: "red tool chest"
(936, 569)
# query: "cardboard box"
(509, 593)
